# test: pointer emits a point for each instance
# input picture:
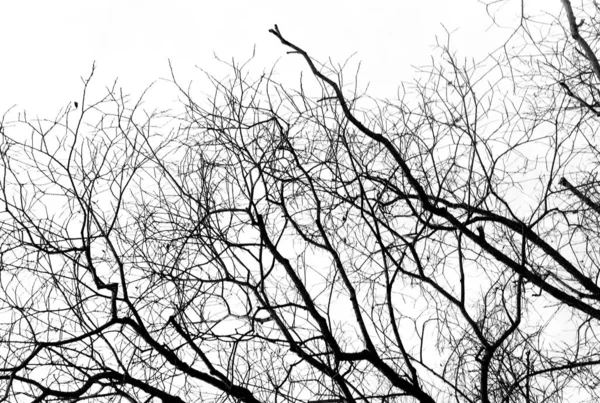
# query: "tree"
(273, 245)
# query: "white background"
(48, 45)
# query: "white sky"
(48, 45)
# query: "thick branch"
(579, 39)
(581, 196)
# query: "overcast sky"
(48, 45)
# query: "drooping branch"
(574, 27)
(589, 202)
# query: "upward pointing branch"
(348, 114)
(433, 208)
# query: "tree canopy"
(276, 244)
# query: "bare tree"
(269, 244)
